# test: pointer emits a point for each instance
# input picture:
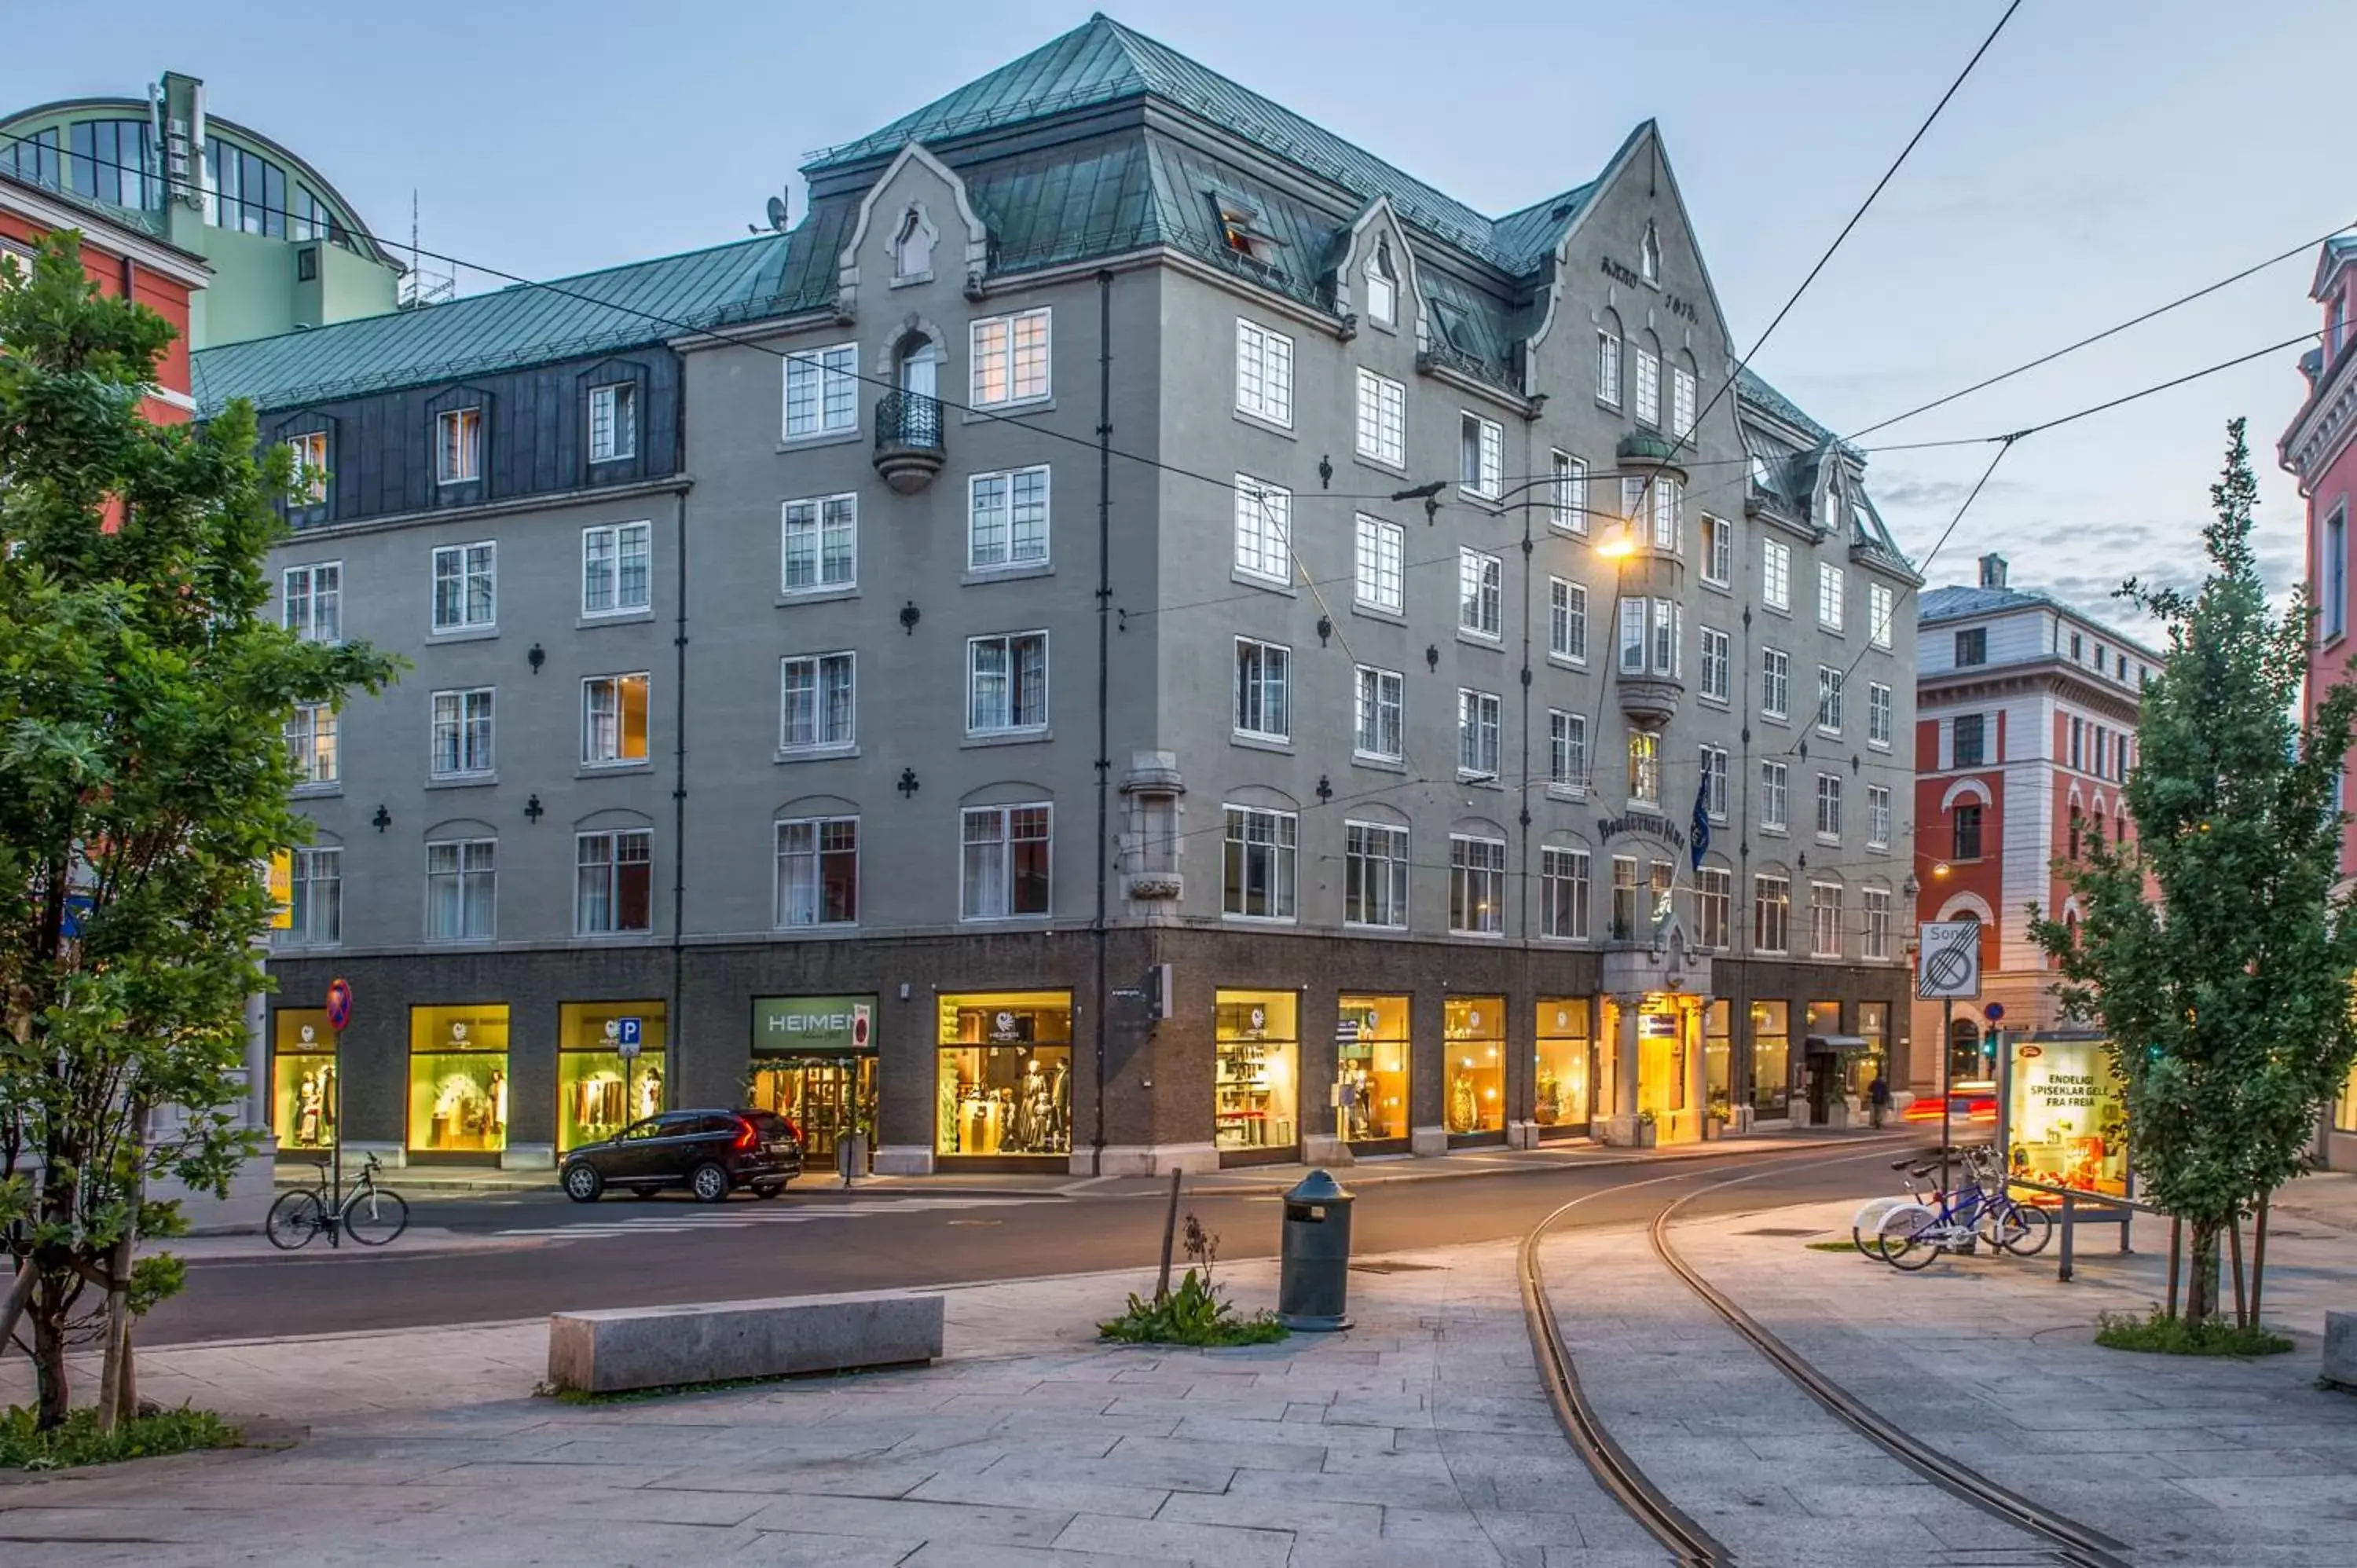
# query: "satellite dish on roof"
(778, 214)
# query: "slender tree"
(2213, 948)
(144, 779)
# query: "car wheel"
(769, 1188)
(709, 1183)
(583, 1185)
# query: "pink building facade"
(2320, 452)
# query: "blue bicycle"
(1980, 1210)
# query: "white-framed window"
(2334, 588)
(462, 733)
(1564, 893)
(1263, 707)
(613, 887)
(1825, 919)
(1717, 673)
(1477, 734)
(1829, 807)
(1878, 816)
(1377, 722)
(1481, 455)
(819, 544)
(1481, 593)
(462, 890)
(818, 702)
(1881, 610)
(1383, 285)
(817, 872)
(1568, 492)
(1608, 368)
(1264, 372)
(1628, 901)
(1668, 620)
(1633, 637)
(1669, 515)
(1878, 921)
(314, 906)
(614, 719)
(1829, 700)
(1566, 749)
(1649, 386)
(1829, 596)
(1712, 790)
(616, 573)
(1774, 808)
(1006, 684)
(466, 586)
(821, 390)
(613, 422)
(1776, 574)
(1476, 885)
(1262, 865)
(1264, 530)
(1005, 869)
(1717, 551)
(1775, 684)
(1567, 620)
(1374, 875)
(1681, 401)
(460, 447)
(1644, 768)
(312, 732)
(1379, 570)
(1714, 907)
(311, 601)
(1772, 907)
(1007, 519)
(1877, 714)
(1010, 359)
(310, 453)
(1382, 418)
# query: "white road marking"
(774, 1212)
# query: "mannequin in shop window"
(311, 1112)
(1462, 1108)
(650, 1091)
(499, 1106)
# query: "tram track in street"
(2058, 1538)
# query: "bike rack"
(2119, 1211)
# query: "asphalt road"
(625, 1253)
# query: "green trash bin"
(1313, 1278)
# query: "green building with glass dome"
(287, 251)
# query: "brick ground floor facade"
(983, 1051)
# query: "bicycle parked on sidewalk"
(1980, 1209)
(369, 1214)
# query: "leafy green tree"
(2213, 948)
(143, 780)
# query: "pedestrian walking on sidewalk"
(1877, 1095)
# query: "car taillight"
(746, 1135)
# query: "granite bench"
(616, 1348)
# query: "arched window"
(2076, 824)
(1383, 285)
(916, 365)
(1965, 1057)
(1649, 255)
(912, 246)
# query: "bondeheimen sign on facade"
(784, 1025)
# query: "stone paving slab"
(1416, 1438)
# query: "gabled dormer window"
(1383, 285)
(1649, 255)
(461, 446)
(912, 247)
(1242, 228)
(613, 422)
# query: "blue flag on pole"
(1699, 845)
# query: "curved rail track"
(2066, 1541)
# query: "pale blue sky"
(2107, 156)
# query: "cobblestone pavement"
(1418, 1438)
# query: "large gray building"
(1137, 636)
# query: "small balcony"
(908, 440)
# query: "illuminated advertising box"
(2065, 1115)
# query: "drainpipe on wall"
(1104, 689)
(672, 1031)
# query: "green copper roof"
(1752, 389)
(639, 303)
(1101, 62)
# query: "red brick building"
(123, 258)
(2025, 714)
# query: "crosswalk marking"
(736, 1216)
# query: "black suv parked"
(709, 1152)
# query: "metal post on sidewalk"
(1947, 1074)
(2069, 1212)
(336, 1142)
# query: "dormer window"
(1383, 285)
(2339, 334)
(912, 247)
(1649, 255)
(1241, 227)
